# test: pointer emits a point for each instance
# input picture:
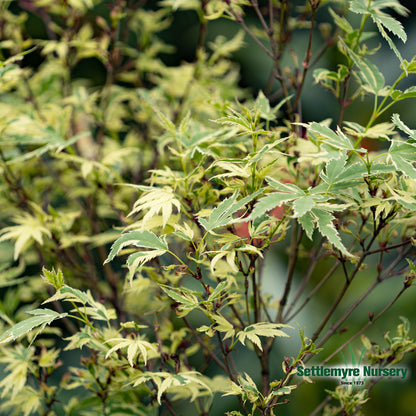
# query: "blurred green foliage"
(184, 183)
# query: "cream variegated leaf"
(156, 201)
(165, 381)
(264, 329)
(135, 347)
(222, 325)
(230, 258)
(185, 232)
(39, 319)
(28, 228)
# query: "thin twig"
(315, 259)
(370, 322)
(204, 346)
(294, 250)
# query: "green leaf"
(223, 47)
(307, 223)
(185, 232)
(165, 123)
(215, 294)
(359, 6)
(393, 4)
(285, 193)
(144, 239)
(283, 391)
(75, 295)
(391, 44)
(371, 78)
(328, 78)
(56, 279)
(333, 169)
(380, 18)
(41, 318)
(337, 140)
(401, 95)
(230, 257)
(96, 310)
(28, 401)
(181, 4)
(338, 172)
(243, 122)
(49, 139)
(380, 130)
(383, 20)
(410, 67)
(341, 22)
(266, 112)
(303, 205)
(223, 214)
(403, 156)
(233, 169)
(391, 24)
(186, 298)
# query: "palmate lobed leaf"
(392, 25)
(18, 360)
(393, 47)
(28, 228)
(379, 131)
(222, 215)
(403, 156)
(26, 131)
(264, 329)
(188, 380)
(398, 95)
(186, 299)
(222, 325)
(312, 209)
(135, 346)
(285, 192)
(136, 260)
(156, 200)
(323, 220)
(71, 294)
(324, 135)
(383, 21)
(29, 397)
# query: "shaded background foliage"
(253, 74)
